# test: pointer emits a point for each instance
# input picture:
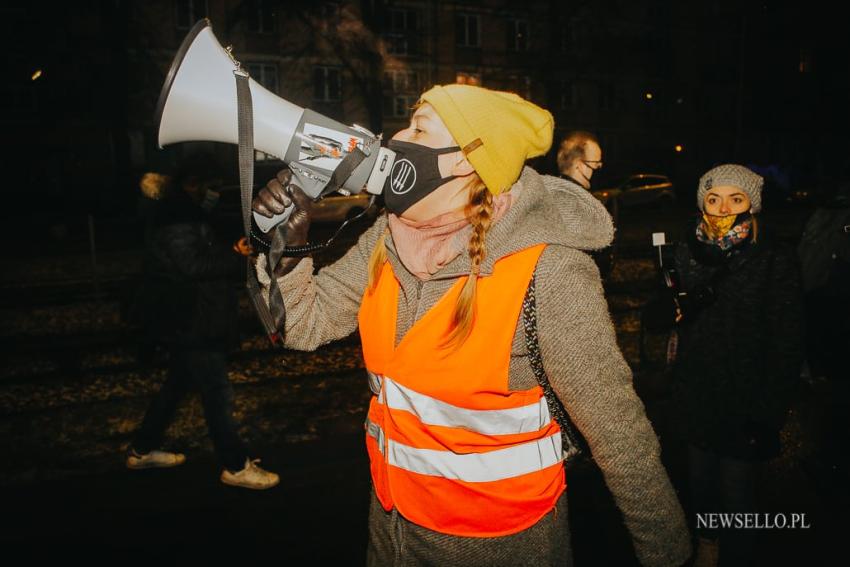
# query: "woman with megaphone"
(479, 269)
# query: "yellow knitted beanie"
(497, 131)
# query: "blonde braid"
(480, 214)
(376, 260)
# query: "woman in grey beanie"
(738, 178)
(739, 352)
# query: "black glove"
(273, 199)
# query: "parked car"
(775, 196)
(639, 189)
(338, 208)
(335, 208)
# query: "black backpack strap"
(574, 444)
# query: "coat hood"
(547, 210)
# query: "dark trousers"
(722, 484)
(206, 371)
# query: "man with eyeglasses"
(578, 157)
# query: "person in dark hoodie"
(739, 353)
(187, 303)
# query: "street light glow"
(648, 96)
(679, 148)
(36, 75)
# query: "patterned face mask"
(725, 232)
(716, 227)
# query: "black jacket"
(739, 355)
(187, 296)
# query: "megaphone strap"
(273, 315)
(346, 167)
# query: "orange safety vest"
(451, 447)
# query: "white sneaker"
(252, 476)
(154, 460)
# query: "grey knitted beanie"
(735, 175)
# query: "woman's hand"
(278, 194)
(273, 199)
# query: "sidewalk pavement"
(186, 515)
(318, 514)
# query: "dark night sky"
(81, 100)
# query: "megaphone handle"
(265, 224)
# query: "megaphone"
(198, 102)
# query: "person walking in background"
(739, 352)
(187, 302)
(464, 440)
(579, 156)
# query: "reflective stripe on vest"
(479, 467)
(375, 382)
(374, 430)
(431, 411)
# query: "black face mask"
(414, 176)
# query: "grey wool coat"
(577, 340)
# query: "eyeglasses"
(593, 164)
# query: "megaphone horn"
(198, 102)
